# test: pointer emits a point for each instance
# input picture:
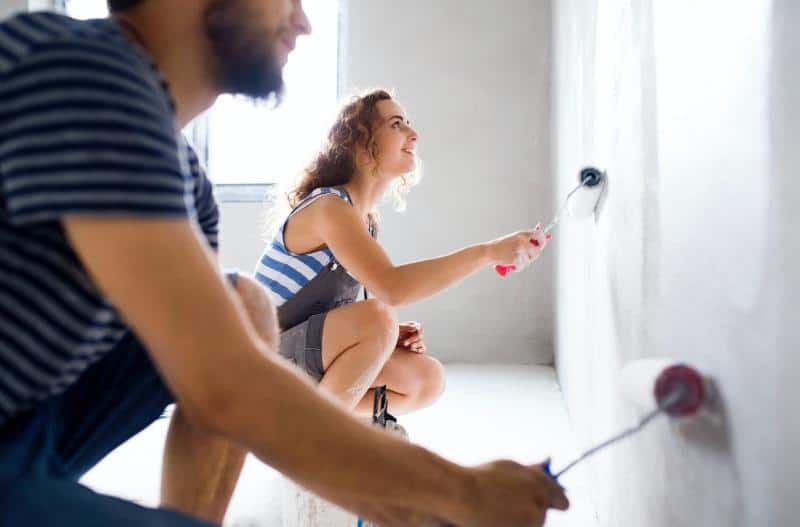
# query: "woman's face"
(396, 141)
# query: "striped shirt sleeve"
(205, 202)
(86, 133)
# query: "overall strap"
(318, 193)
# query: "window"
(244, 143)
(87, 8)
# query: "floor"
(487, 412)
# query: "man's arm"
(164, 280)
(166, 284)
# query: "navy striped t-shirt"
(87, 127)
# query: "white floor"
(487, 412)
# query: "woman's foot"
(394, 427)
(381, 416)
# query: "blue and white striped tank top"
(283, 272)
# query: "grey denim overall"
(302, 317)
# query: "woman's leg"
(413, 381)
(357, 340)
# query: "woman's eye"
(396, 124)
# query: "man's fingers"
(557, 499)
(554, 492)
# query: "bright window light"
(251, 143)
(85, 9)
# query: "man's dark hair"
(121, 5)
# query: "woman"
(327, 248)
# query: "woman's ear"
(374, 152)
(362, 157)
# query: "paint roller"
(679, 391)
(581, 202)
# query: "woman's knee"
(381, 320)
(368, 329)
(432, 379)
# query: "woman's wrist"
(486, 253)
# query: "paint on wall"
(686, 105)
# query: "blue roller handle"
(546, 468)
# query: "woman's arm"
(339, 227)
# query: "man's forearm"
(231, 382)
(288, 424)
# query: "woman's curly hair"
(335, 164)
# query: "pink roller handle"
(503, 270)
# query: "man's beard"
(243, 61)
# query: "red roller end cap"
(682, 377)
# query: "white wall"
(10, 7)
(241, 239)
(475, 80)
(692, 107)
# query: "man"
(112, 305)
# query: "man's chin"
(266, 86)
(243, 68)
(281, 56)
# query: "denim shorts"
(302, 345)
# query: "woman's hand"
(517, 251)
(410, 337)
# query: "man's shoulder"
(26, 35)
(78, 66)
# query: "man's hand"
(512, 495)
(504, 493)
(410, 337)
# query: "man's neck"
(187, 67)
